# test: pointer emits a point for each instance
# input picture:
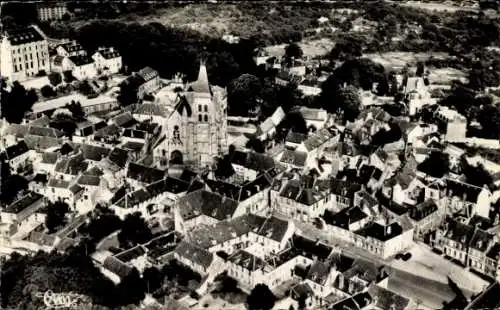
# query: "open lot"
(311, 48)
(449, 6)
(393, 60)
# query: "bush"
(47, 91)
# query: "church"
(196, 130)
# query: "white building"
(24, 53)
(108, 60)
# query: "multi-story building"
(24, 53)
(52, 11)
(108, 60)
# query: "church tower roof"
(201, 85)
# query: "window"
(31, 65)
(20, 67)
(176, 133)
(199, 118)
(206, 118)
(15, 68)
(199, 108)
(206, 108)
(31, 56)
(25, 57)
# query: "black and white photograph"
(250, 155)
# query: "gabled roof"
(144, 174)
(118, 157)
(80, 60)
(318, 272)
(148, 73)
(16, 150)
(71, 165)
(462, 190)
(195, 254)
(294, 158)
(385, 299)
(117, 267)
(93, 152)
(274, 228)
(151, 109)
(210, 204)
(49, 157)
(253, 161)
(461, 233)
(480, 240)
(423, 210)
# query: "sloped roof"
(151, 109)
(117, 267)
(24, 35)
(144, 174)
(195, 254)
(201, 85)
(16, 150)
(318, 272)
(81, 60)
(294, 158)
(207, 203)
(247, 261)
(274, 228)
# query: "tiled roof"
(195, 254)
(117, 267)
(480, 240)
(318, 272)
(253, 161)
(72, 46)
(385, 299)
(24, 35)
(380, 232)
(57, 60)
(71, 165)
(207, 203)
(80, 60)
(247, 261)
(45, 132)
(151, 109)
(107, 131)
(294, 158)
(49, 157)
(16, 150)
(318, 138)
(131, 254)
(423, 210)
(133, 146)
(124, 119)
(147, 73)
(344, 188)
(311, 248)
(144, 174)
(345, 217)
(109, 53)
(17, 130)
(274, 229)
(462, 190)
(119, 157)
(26, 201)
(41, 143)
(89, 180)
(93, 152)
(295, 137)
(459, 232)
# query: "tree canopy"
(243, 93)
(16, 102)
(134, 231)
(261, 298)
(437, 164)
(56, 215)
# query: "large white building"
(51, 11)
(197, 128)
(23, 53)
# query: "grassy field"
(400, 59)
(311, 48)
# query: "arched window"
(199, 118)
(206, 118)
(199, 108)
(206, 108)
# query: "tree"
(243, 93)
(153, 279)
(68, 76)
(56, 215)
(256, 145)
(12, 184)
(134, 231)
(383, 86)
(293, 51)
(85, 88)
(103, 225)
(420, 69)
(17, 102)
(437, 164)
(489, 118)
(348, 47)
(261, 298)
(350, 102)
(55, 78)
(76, 110)
(293, 121)
(47, 91)
(475, 175)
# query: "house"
(82, 67)
(108, 60)
(25, 53)
(459, 196)
(294, 139)
(58, 189)
(268, 127)
(247, 165)
(18, 156)
(316, 119)
(71, 48)
(138, 174)
(22, 215)
(293, 159)
(425, 217)
(343, 193)
(385, 240)
(51, 11)
(455, 239)
(452, 123)
(480, 243)
(150, 81)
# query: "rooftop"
(24, 35)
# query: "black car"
(406, 256)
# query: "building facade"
(197, 129)
(24, 53)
